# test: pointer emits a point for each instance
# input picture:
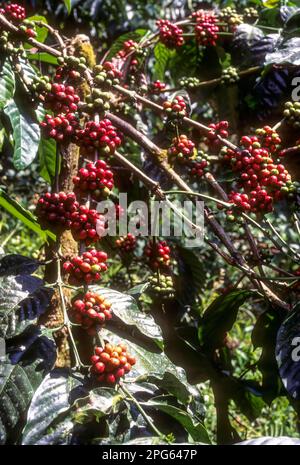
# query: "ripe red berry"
(114, 363)
(170, 34)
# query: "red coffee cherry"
(175, 109)
(206, 29)
(91, 310)
(102, 136)
(14, 12)
(111, 363)
(199, 165)
(57, 208)
(128, 46)
(182, 149)
(170, 34)
(62, 99)
(217, 129)
(62, 128)
(126, 243)
(95, 179)
(87, 225)
(87, 267)
(263, 180)
(157, 254)
(156, 87)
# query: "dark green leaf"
(19, 212)
(219, 318)
(264, 335)
(288, 353)
(14, 264)
(26, 135)
(196, 430)
(125, 308)
(47, 158)
(162, 55)
(7, 83)
(51, 401)
(14, 291)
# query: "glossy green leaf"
(43, 57)
(68, 5)
(196, 430)
(7, 83)
(47, 159)
(19, 212)
(26, 135)
(219, 318)
(162, 55)
(125, 308)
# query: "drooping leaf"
(287, 52)
(43, 57)
(32, 345)
(51, 400)
(219, 318)
(196, 430)
(288, 353)
(47, 158)
(13, 320)
(15, 310)
(291, 27)
(68, 5)
(191, 274)
(264, 335)
(269, 90)
(162, 54)
(26, 135)
(7, 83)
(27, 218)
(17, 385)
(270, 441)
(14, 264)
(250, 45)
(125, 308)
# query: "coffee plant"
(133, 337)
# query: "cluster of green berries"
(189, 82)
(291, 114)
(229, 75)
(161, 287)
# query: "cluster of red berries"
(102, 136)
(61, 98)
(156, 87)
(269, 139)
(111, 363)
(206, 28)
(182, 148)
(263, 179)
(198, 166)
(217, 129)
(175, 108)
(87, 225)
(95, 179)
(170, 34)
(128, 46)
(87, 267)
(157, 254)
(107, 74)
(60, 127)
(14, 12)
(57, 208)
(92, 309)
(126, 243)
